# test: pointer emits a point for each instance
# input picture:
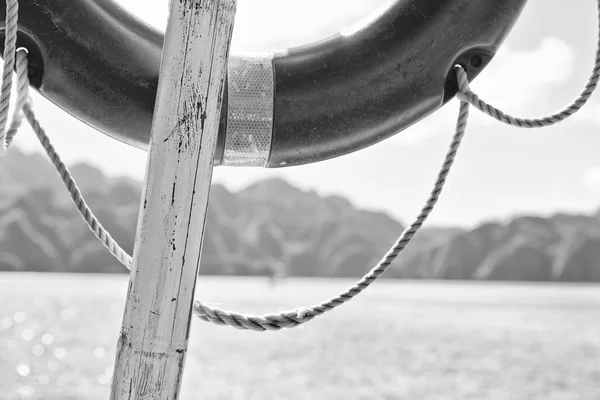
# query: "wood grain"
(153, 342)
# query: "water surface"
(398, 340)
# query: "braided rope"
(292, 319)
(22, 96)
(23, 108)
(76, 196)
(10, 43)
(465, 94)
(288, 319)
(218, 316)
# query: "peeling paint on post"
(154, 337)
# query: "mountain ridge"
(273, 228)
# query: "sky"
(500, 171)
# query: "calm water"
(399, 340)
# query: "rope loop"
(287, 319)
(465, 94)
(10, 44)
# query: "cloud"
(520, 80)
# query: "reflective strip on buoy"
(251, 91)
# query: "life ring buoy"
(290, 107)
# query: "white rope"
(10, 43)
(287, 319)
(205, 312)
(465, 94)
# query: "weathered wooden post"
(154, 337)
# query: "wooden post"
(154, 337)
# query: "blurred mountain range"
(272, 228)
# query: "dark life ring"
(301, 105)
